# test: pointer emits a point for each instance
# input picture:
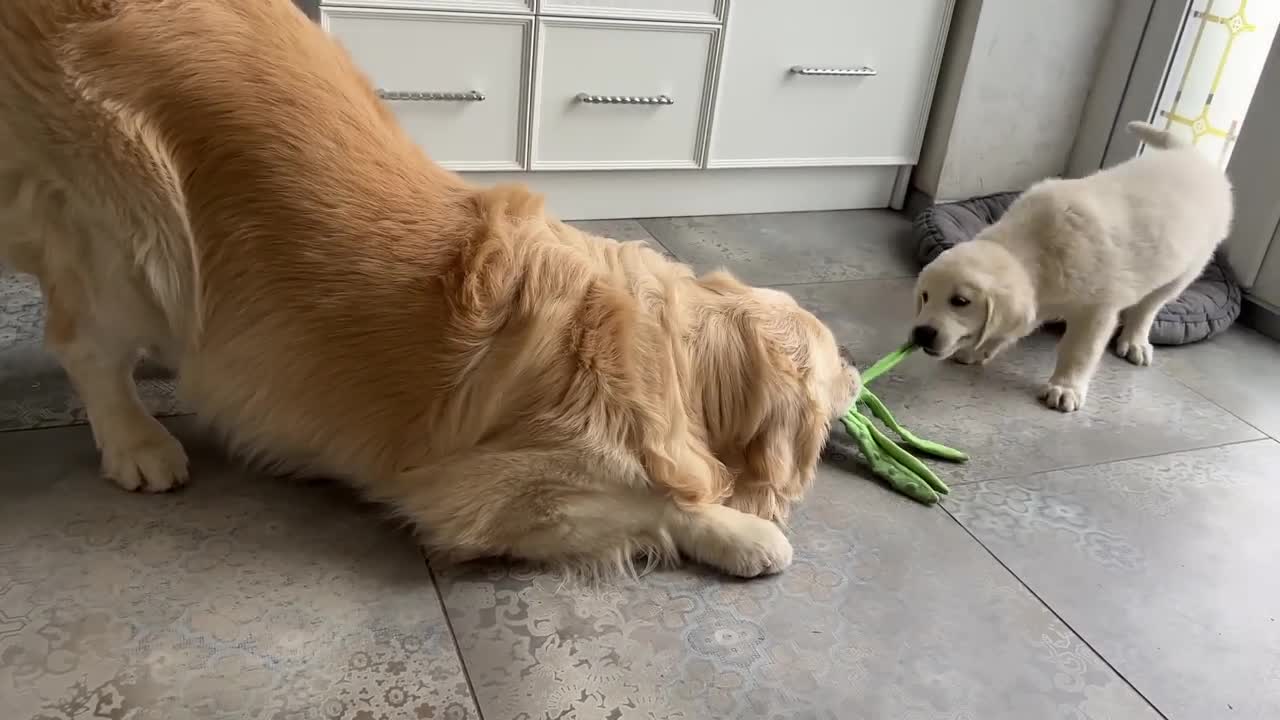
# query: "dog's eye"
(924, 297)
(957, 301)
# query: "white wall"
(1012, 89)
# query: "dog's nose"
(923, 336)
(846, 355)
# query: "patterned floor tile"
(993, 412)
(34, 391)
(1165, 565)
(239, 598)
(790, 248)
(890, 611)
(1239, 370)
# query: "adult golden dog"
(213, 180)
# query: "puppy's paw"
(146, 459)
(1137, 351)
(970, 356)
(1063, 397)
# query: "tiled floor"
(1113, 564)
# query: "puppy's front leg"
(984, 352)
(1078, 353)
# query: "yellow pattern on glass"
(1232, 28)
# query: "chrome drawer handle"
(863, 71)
(625, 99)
(468, 96)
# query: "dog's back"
(1125, 230)
(79, 186)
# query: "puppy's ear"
(1009, 314)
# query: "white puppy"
(1111, 247)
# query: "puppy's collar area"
(903, 471)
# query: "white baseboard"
(601, 195)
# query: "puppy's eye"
(957, 301)
(924, 297)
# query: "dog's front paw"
(762, 550)
(146, 459)
(752, 547)
(971, 357)
(1137, 351)
(1063, 397)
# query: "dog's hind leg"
(1134, 341)
(559, 509)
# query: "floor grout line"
(1066, 468)
(650, 233)
(83, 423)
(1056, 614)
(1213, 402)
(453, 635)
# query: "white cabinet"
(478, 6)
(620, 108)
(466, 108)
(621, 95)
(706, 11)
(827, 82)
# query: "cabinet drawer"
(459, 83)
(489, 6)
(826, 82)
(620, 95)
(674, 10)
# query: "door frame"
(1131, 74)
(1128, 82)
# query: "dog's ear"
(1009, 314)
(780, 461)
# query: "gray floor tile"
(1165, 565)
(616, 229)
(789, 248)
(1239, 370)
(237, 598)
(623, 230)
(890, 611)
(993, 412)
(34, 391)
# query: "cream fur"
(213, 181)
(1107, 249)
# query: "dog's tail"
(1154, 136)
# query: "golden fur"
(212, 180)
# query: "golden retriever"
(1110, 248)
(214, 182)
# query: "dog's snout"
(923, 336)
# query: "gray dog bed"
(1207, 308)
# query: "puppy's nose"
(923, 336)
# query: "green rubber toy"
(889, 460)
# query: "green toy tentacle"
(904, 472)
(885, 364)
(937, 450)
(900, 478)
(907, 460)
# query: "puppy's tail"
(1154, 136)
